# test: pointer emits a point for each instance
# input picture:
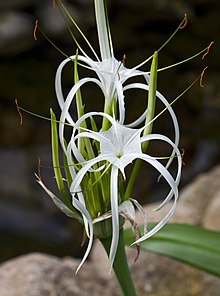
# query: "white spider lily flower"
(120, 146)
(111, 76)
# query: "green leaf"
(148, 122)
(55, 158)
(187, 243)
(66, 168)
(151, 99)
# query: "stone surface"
(154, 275)
(44, 275)
(196, 197)
(24, 275)
(211, 218)
(199, 204)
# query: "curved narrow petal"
(175, 124)
(81, 208)
(172, 184)
(159, 225)
(85, 168)
(90, 114)
(65, 109)
(169, 109)
(58, 78)
(115, 217)
(72, 145)
(161, 169)
(178, 156)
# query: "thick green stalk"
(120, 265)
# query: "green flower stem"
(132, 179)
(120, 265)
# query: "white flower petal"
(81, 208)
(115, 217)
(159, 225)
(177, 154)
(57, 201)
(127, 208)
(65, 109)
(81, 173)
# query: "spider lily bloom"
(112, 77)
(95, 161)
(119, 146)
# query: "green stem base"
(120, 266)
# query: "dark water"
(28, 219)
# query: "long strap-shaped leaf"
(56, 163)
(187, 243)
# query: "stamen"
(184, 22)
(35, 30)
(208, 49)
(201, 77)
(38, 169)
(123, 59)
(182, 155)
(122, 63)
(19, 112)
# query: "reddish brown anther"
(123, 59)
(35, 30)
(39, 168)
(19, 112)
(201, 77)
(184, 22)
(207, 51)
(182, 155)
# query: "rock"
(159, 276)
(44, 275)
(154, 275)
(24, 275)
(196, 197)
(196, 204)
(211, 219)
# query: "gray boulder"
(44, 275)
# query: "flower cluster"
(100, 145)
